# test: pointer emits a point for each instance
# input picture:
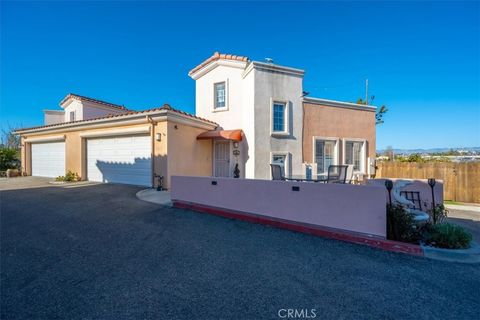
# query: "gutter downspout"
(152, 138)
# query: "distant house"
(248, 114)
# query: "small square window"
(279, 117)
(220, 96)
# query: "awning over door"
(234, 135)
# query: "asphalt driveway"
(96, 252)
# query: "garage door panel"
(120, 160)
(48, 159)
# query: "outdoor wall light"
(158, 136)
(389, 186)
(431, 183)
(235, 144)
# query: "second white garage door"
(120, 160)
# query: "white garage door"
(48, 159)
(120, 160)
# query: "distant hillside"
(432, 150)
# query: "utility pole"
(366, 91)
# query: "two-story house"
(249, 114)
(278, 123)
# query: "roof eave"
(155, 114)
(335, 103)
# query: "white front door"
(222, 159)
(48, 159)
(120, 160)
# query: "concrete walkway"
(154, 196)
(463, 207)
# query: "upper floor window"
(279, 117)
(220, 96)
(72, 115)
(353, 154)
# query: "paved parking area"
(97, 252)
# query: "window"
(72, 115)
(325, 154)
(280, 159)
(353, 154)
(279, 119)
(219, 89)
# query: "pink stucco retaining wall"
(340, 206)
(420, 185)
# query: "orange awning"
(235, 135)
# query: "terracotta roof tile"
(218, 56)
(83, 98)
(130, 112)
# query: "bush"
(401, 224)
(447, 235)
(8, 158)
(69, 177)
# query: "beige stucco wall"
(328, 121)
(177, 152)
(187, 155)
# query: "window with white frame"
(220, 95)
(279, 117)
(354, 154)
(72, 115)
(280, 159)
(325, 154)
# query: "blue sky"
(422, 59)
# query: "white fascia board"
(212, 65)
(161, 115)
(48, 139)
(275, 68)
(53, 111)
(117, 132)
(66, 103)
(181, 119)
(341, 104)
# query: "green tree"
(9, 139)
(380, 111)
(8, 158)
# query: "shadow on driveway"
(96, 252)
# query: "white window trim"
(286, 132)
(287, 161)
(362, 153)
(335, 151)
(226, 97)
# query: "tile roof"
(116, 116)
(83, 98)
(218, 56)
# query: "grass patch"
(452, 202)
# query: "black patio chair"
(337, 174)
(277, 172)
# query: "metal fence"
(461, 180)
